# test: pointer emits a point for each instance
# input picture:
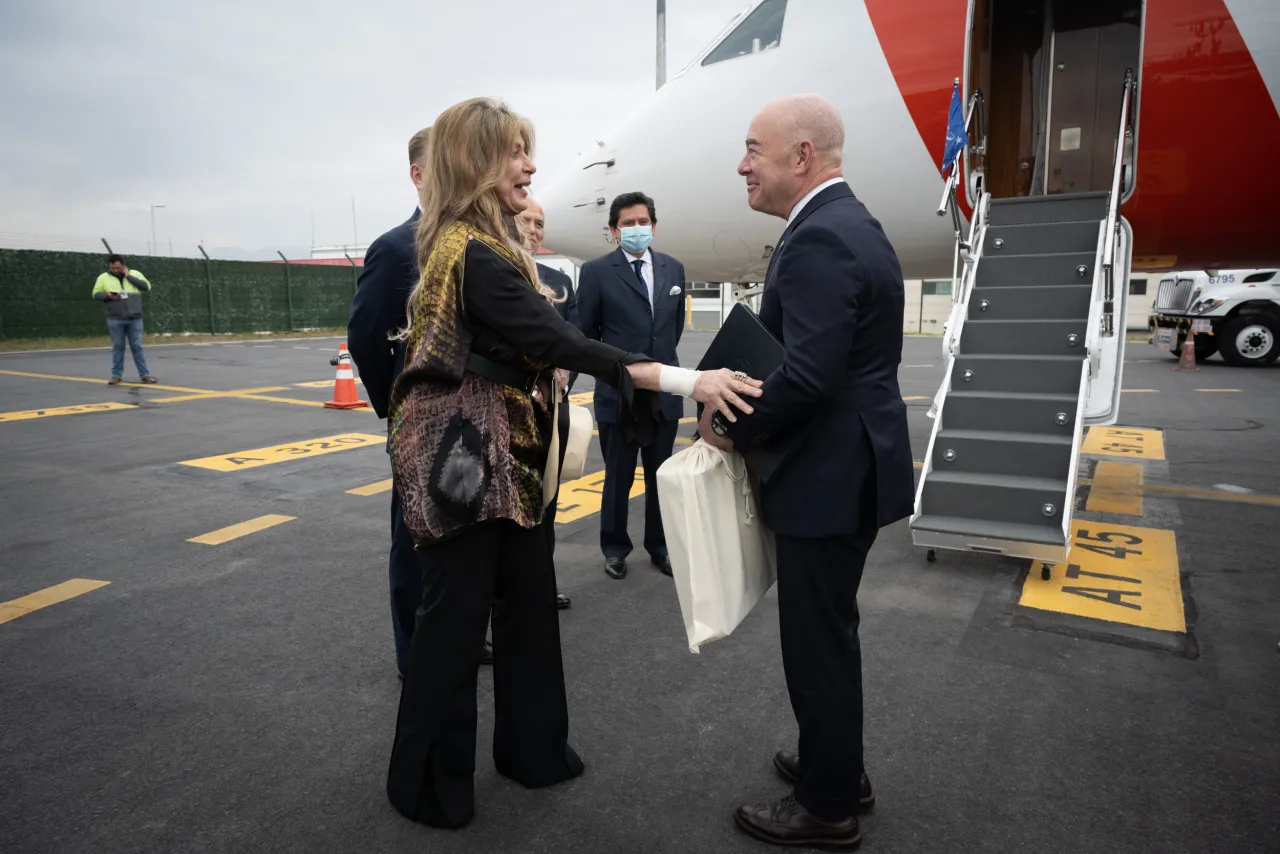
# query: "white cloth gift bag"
(722, 557)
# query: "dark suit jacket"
(379, 308)
(568, 309)
(834, 297)
(613, 307)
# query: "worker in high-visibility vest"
(121, 290)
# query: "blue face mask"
(636, 238)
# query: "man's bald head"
(794, 144)
(532, 222)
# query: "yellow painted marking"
(373, 488)
(283, 453)
(692, 419)
(293, 400)
(582, 398)
(63, 410)
(1222, 390)
(319, 384)
(211, 394)
(101, 381)
(585, 496)
(15, 608)
(916, 397)
(1130, 442)
(1115, 573)
(1212, 494)
(682, 440)
(192, 393)
(234, 532)
(1116, 488)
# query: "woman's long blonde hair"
(471, 145)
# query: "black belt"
(491, 370)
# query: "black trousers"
(619, 475)
(405, 582)
(818, 615)
(499, 565)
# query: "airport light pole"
(662, 43)
(154, 245)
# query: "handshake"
(719, 391)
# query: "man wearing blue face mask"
(633, 298)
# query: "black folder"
(745, 344)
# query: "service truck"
(1232, 312)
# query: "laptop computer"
(745, 344)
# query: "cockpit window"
(761, 30)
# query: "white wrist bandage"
(677, 380)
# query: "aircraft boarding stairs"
(999, 474)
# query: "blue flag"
(957, 136)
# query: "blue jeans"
(121, 328)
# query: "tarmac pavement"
(241, 696)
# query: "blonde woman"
(470, 427)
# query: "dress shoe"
(662, 562)
(615, 567)
(786, 822)
(486, 657)
(562, 601)
(788, 764)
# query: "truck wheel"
(1206, 346)
(1250, 341)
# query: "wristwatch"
(719, 424)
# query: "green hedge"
(48, 295)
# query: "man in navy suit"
(834, 296)
(533, 225)
(633, 298)
(378, 311)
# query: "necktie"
(638, 264)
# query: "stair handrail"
(926, 466)
(953, 177)
(962, 280)
(1077, 438)
(1112, 234)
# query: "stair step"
(1046, 270)
(981, 528)
(1018, 412)
(1001, 452)
(997, 497)
(1002, 372)
(1024, 337)
(1065, 207)
(1031, 302)
(1041, 238)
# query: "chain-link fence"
(47, 294)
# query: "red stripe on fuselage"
(1208, 131)
(923, 41)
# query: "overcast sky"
(244, 117)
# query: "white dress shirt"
(646, 272)
(818, 189)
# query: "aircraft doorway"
(1052, 73)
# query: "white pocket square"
(675, 289)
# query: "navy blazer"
(563, 285)
(613, 307)
(379, 309)
(834, 297)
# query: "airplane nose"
(577, 210)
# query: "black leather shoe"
(787, 762)
(662, 562)
(486, 657)
(786, 822)
(615, 567)
(562, 601)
